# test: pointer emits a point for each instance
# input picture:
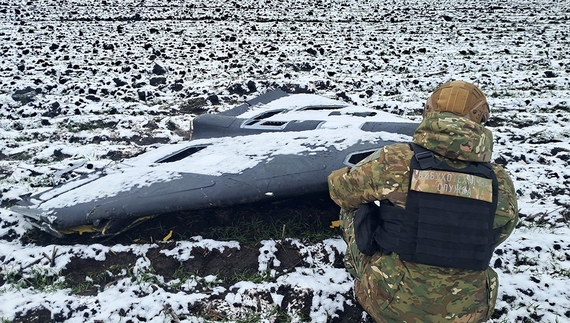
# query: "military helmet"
(461, 98)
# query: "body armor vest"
(449, 215)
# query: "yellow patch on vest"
(452, 183)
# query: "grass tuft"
(40, 279)
(256, 229)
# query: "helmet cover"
(461, 98)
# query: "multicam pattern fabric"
(454, 137)
(392, 290)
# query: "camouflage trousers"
(391, 290)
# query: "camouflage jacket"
(392, 290)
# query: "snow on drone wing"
(273, 147)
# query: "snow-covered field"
(105, 80)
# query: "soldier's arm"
(348, 187)
(379, 176)
(507, 214)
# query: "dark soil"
(254, 222)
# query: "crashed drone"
(275, 146)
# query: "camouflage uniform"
(392, 290)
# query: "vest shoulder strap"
(425, 158)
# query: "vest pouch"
(448, 238)
(366, 221)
